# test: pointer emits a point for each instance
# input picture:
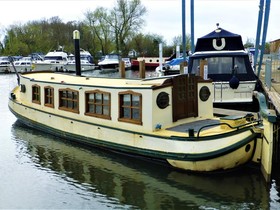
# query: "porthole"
(248, 147)
(204, 93)
(162, 100)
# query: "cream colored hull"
(217, 153)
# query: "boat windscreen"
(221, 68)
(59, 58)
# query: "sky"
(163, 17)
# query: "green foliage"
(102, 31)
(249, 43)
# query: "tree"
(147, 45)
(178, 40)
(126, 20)
(249, 43)
(97, 22)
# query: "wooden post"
(142, 69)
(267, 150)
(269, 117)
(122, 69)
(201, 68)
(182, 67)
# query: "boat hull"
(72, 67)
(210, 153)
(49, 66)
(5, 69)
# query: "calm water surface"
(40, 171)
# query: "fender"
(222, 46)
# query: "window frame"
(36, 95)
(49, 97)
(130, 107)
(68, 99)
(88, 103)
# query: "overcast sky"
(164, 17)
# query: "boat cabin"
(123, 103)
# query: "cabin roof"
(219, 36)
(60, 78)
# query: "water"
(40, 171)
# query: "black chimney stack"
(76, 37)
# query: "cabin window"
(69, 100)
(130, 105)
(49, 97)
(98, 104)
(36, 96)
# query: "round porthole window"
(204, 93)
(162, 100)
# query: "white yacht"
(5, 65)
(23, 65)
(54, 61)
(86, 62)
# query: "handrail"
(236, 127)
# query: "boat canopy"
(219, 39)
(176, 61)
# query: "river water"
(40, 171)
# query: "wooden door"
(184, 96)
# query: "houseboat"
(167, 119)
(151, 63)
(221, 57)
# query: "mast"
(192, 26)
(265, 25)
(257, 45)
(184, 28)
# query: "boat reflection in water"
(138, 184)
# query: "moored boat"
(164, 118)
(151, 63)
(23, 65)
(221, 57)
(171, 66)
(86, 61)
(53, 60)
(85, 66)
(5, 65)
(110, 61)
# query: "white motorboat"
(23, 65)
(220, 57)
(53, 60)
(110, 61)
(86, 62)
(5, 66)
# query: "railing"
(221, 92)
(271, 69)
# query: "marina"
(123, 128)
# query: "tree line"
(103, 31)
